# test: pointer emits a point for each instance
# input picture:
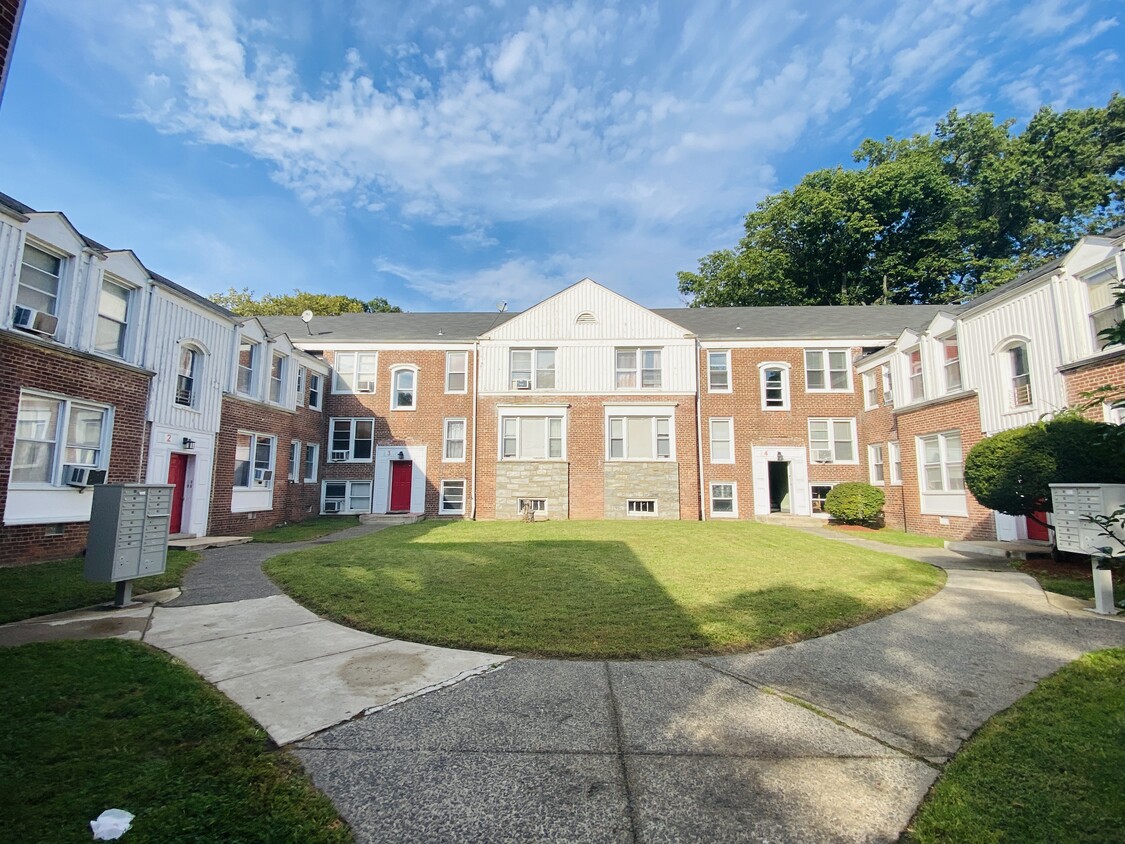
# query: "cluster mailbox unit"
(128, 535)
(1074, 505)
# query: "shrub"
(854, 503)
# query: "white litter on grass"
(111, 824)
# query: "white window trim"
(652, 414)
(196, 374)
(945, 364)
(445, 458)
(280, 380)
(826, 368)
(395, 370)
(351, 438)
(59, 459)
(785, 393)
(340, 388)
(315, 462)
(1009, 379)
(872, 450)
(130, 314)
(348, 483)
(887, 380)
(302, 374)
(812, 498)
(711, 438)
(66, 261)
(920, 442)
(530, 412)
(255, 436)
(733, 497)
(449, 371)
(319, 405)
(296, 455)
(874, 387)
(893, 459)
(730, 379)
(464, 496)
(910, 396)
(534, 371)
(639, 369)
(255, 366)
(831, 440)
(546, 503)
(643, 514)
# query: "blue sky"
(448, 156)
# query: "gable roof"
(387, 328)
(802, 322)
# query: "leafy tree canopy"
(243, 303)
(932, 218)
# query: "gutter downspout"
(473, 473)
(699, 427)
(142, 467)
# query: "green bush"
(854, 503)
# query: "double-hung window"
(253, 460)
(404, 388)
(311, 461)
(302, 377)
(914, 369)
(775, 386)
(870, 391)
(532, 369)
(354, 372)
(723, 502)
(452, 497)
(352, 440)
(40, 275)
(722, 435)
(316, 390)
(113, 318)
(186, 375)
(951, 363)
(346, 497)
(532, 438)
(826, 370)
(453, 448)
(639, 368)
(640, 438)
(819, 493)
(277, 377)
(718, 372)
(895, 456)
(941, 462)
(875, 464)
(832, 440)
(888, 385)
(295, 460)
(247, 366)
(53, 432)
(1021, 375)
(456, 372)
(1105, 310)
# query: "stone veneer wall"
(642, 480)
(532, 479)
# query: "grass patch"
(44, 588)
(1069, 578)
(313, 528)
(1048, 769)
(95, 725)
(890, 536)
(600, 589)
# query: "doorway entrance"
(402, 473)
(1035, 530)
(177, 476)
(780, 499)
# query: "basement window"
(641, 506)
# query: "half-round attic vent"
(585, 318)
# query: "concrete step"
(389, 519)
(201, 543)
(791, 521)
(1020, 549)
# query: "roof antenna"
(306, 317)
(501, 306)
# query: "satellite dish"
(307, 316)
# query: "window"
(723, 500)
(454, 448)
(535, 505)
(875, 464)
(113, 318)
(316, 391)
(40, 274)
(640, 438)
(718, 372)
(531, 438)
(941, 462)
(870, 391)
(640, 506)
(294, 460)
(352, 440)
(312, 460)
(888, 385)
(253, 460)
(403, 392)
(775, 386)
(951, 362)
(277, 375)
(1105, 310)
(896, 462)
(301, 379)
(354, 372)
(832, 440)
(1021, 375)
(456, 372)
(346, 497)
(247, 363)
(452, 497)
(638, 368)
(186, 374)
(917, 385)
(722, 450)
(819, 492)
(53, 432)
(827, 370)
(533, 369)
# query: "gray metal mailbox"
(128, 534)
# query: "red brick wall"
(1085, 379)
(34, 366)
(879, 426)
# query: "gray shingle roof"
(1018, 281)
(781, 322)
(387, 328)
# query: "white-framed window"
(724, 500)
(453, 447)
(774, 378)
(718, 372)
(532, 369)
(295, 460)
(875, 464)
(456, 372)
(346, 497)
(532, 438)
(818, 493)
(535, 505)
(114, 304)
(888, 384)
(404, 388)
(895, 456)
(277, 377)
(354, 372)
(827, 371)
(311, 462)
(722, 440)
(941, 462)
(639, 438)
(452, 497)
(316, 391)
(1105, 310)
(187, 373)
(254, 460)
(52, 432)
(1020, 395)
(640, 507)
(351, 439)
(832, 440)
(302, 377)
(1113, 414)
(247, 366)
(870, 391)
(40, 280)
(639, 368)
(951, 363)
(914, 370)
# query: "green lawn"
(1073, 579)
(1047, 770)
(600, 589)
(313, 528)
(892, 537)
(44, 588)
(95, 725)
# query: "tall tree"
(243, 303)
(928, 218)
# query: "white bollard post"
(1103, 589)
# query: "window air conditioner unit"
(263, 476)
(333, 506)
(365, 387)
(522, 383)
(822, 455)
(82, 476)
(337, 456)
(30, 319)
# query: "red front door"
(401, 472)
(1036, 530)
(177, 475)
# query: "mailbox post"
(128, 535)
(1074, 504)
